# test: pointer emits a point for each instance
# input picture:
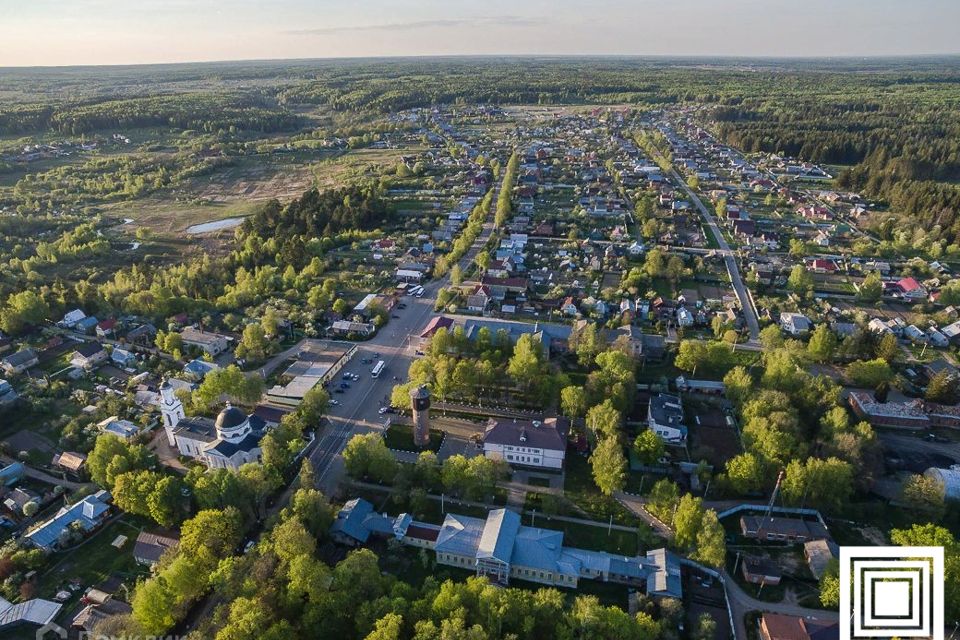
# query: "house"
(142, 335)
(86, 515)
(71, 318)
(198, 369)
(782, 529)
(684, 317)
(11, 474)
(88, 355)
(911, 289)
(19, 362)
(8, 395)
(208, 342)
(105, 328)
(123, 358)
(665, 418)
(759, 571)
(818, 554)
(123, 429)
(527, 443)
(436, 323)
(149, 547)
(87, 621)
(87, 325)
(17, 499)
(568, 306)
(357, 521)
(70, 461)
(479, 299)
(795, 324)
(36, 612)
(348, 327)
(778, 626)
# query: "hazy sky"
(58, 32)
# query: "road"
(742, 603)
(746, 303)
(395, 344)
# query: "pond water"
(215, 225)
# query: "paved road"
(396, 344)
(746, 303)
(741, 603)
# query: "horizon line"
(558, 56)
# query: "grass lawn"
(580, 488)
(400, 437)
(92, 562)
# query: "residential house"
(527, 443)
(568, 307)
(149, 547)
(778, 626)
(684, 317)
(106, 328)
(71, 318)
(795, 324)
(70, 461)
(142, 335)
(348, 327)
(357, 521)
(123, 358)
(17, 499)
(12, 474)
(818, 554)
(87, 325)
(911, 290)
(8, 395)
(782, 529)
(198, 369)
(665, 418)
(436, 323)
(209, 342)
(19, 362)
(479, 299)
(86, 516)
(123, 429)
(88, 355)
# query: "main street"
(396, 344)
(746, 303)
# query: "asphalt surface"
(396, 344)
(746, 304)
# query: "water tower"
(420, 402)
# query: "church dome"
(230, 419)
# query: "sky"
(70, 32)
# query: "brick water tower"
(420, 402)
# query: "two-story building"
(527, 443)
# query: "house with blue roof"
(85, 516)
(500, 547)
(12, 474)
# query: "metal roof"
(499, 535)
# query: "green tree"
(573, 401)
(253, 343)
(22, 310)
(825, 484)
(745, 473)
(930, 535)
(800, 280)
(663, 498)
(649, 447)
(231, 383)
(691, 355)
(366, 455)
(943, 388)
(738, 385)
(888, 348)
(923, 494)
(686, 521)
(609, 466)
(526, 364)
(604, 420)
(869, 373)
(823, 344)
(711, 545)
(871, 288)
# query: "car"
(344, 385)
(395, 317)
(384, 410)
(334, 402)
(376, 355)
(338, 390)
(932, 437)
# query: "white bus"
(377, 369)
(419, 292)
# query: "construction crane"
(773, 496)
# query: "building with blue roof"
(357, 521)
(12, 474)
(85, 515)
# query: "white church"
(229, 442)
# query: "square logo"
(888, 592)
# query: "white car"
(334, 402)
(384, 410)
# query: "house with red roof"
(911, 289)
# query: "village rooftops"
(535, 434)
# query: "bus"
(419, 292)
(377, 369)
